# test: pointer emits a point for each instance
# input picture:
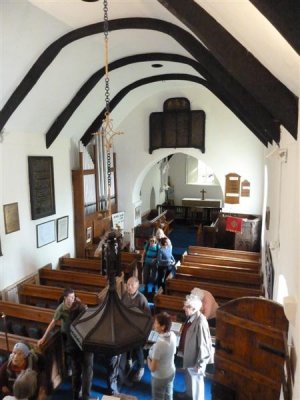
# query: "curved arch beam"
(122, 93)
(227, 84)
(248, 116)
(85, 89)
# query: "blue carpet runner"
(141, 390)
(181, 237)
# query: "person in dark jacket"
(133, 298)
(81, 361)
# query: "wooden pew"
(34, 295)
(220, 267)
(221, 292)
(220, 260)
(206, 274)
(26, 317)
(171, 304)
(240, 254)
(93, 265)
(129, 263)
(77, 280)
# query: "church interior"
(134, 115)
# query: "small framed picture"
(62, 228)
(45, 233)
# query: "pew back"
(77, 280)
(220, 267)
(221, 292)
(206, 274)
(240, 254)
(221, 260)
(34, 294)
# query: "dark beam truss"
(285, 16)
(238, 62)
(226, 86)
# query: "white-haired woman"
(196, 345)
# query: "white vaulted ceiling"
(30, 26)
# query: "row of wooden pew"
(227, 274)
(39, 295)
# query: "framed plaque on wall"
(11, 217)
(41, 182)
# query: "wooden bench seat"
(130, 264)
(215, 275)
(221, 292)
(220, 260)
(240, 254)
(171, 304)
(34, 294)
(77, 280)
(93, 265)
(220, 267)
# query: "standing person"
(81, 361)
(25, 386)
(196, 345)
(165, 262)
(161, 359)
(150, 262)
(209, 304)
(133, 298)
(20, 359)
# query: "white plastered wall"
(230, 147)
(21, 257)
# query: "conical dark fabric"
(111, 328)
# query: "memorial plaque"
(232, 188)
(245, 188)
(41, 181)
(11, 217)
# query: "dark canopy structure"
(111, 328)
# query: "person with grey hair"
(20, 359)
(196, 346)
(25, 386)
(209, 304)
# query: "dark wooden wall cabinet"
(177, 126)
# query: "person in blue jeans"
(150, 263)
(161, 359)
(165, 262)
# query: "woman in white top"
(161, 359)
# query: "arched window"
(198, 173)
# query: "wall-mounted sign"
(245, 188)
(232, 188)
(41, 181)
(118, 220)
